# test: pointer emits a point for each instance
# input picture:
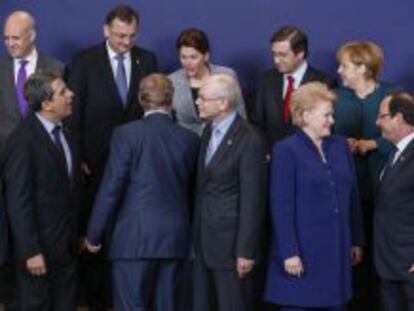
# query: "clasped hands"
(361, 146)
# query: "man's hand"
(36, 265)
(411, 270)
(294, 266)
(85, 169)
(244, 266)
(356, 255)
(92, 248)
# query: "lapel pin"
(137, 61)
(229, 142)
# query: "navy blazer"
(316, 216)
(146, 190)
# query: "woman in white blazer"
(194, 53)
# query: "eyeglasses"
(383, 115)
(206, 99)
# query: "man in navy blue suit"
(146, 194)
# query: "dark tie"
(21, 79)
(59, 147)
(212, 145)
(288, 98)
(389, 164)
(121, 78)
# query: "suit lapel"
(104, 65)
(203, 149)
(308, 76)
(136, 73)
(45, 140)
(393, 171)
(13, 103)
(226, 143)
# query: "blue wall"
(239, 30)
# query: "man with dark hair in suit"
(394, 209)
(105, 79)
(270, 112)
(229, 201)
(146, 191)
(41, 177)
(23, 59)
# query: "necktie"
(288, 96)
(212, 145)
(389, 164)
(59, 147)
(21, 79)
(121, 79)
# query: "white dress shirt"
(114, 63)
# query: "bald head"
(19, 34)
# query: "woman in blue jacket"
(317, 227)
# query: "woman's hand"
(353, 144)
(365, 145)
(294, 266)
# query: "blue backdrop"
(239, 30)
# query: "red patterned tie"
(288, 96)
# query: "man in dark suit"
(105, 79)
(229, 201)
(4, 232)
(41, 177)
(146, 190)
(394, 210)
(23, 60)
(270, 112)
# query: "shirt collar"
(31, 58)
(112, 54)
(154, 111)
(224, 124)
(403, 143)
(298, 73)
(48, 125)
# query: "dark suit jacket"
(9, 106)
(267, 112)
(394, 219)
(4, 232)
(230, 197)
(98, 106)
(42, 200)
(147, 189)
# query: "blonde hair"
(364, 53)
(307, 97)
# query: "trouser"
(147, 284)
(56, 290)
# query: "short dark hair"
(193, 38)
(402, 102)
(155, 91)
(38, 88)
(296, 37)
(124, 13)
